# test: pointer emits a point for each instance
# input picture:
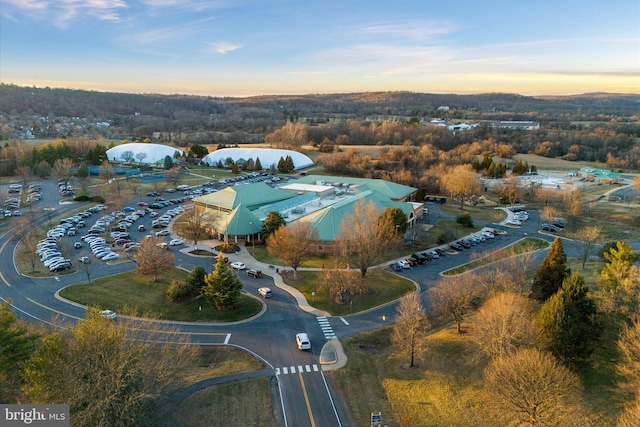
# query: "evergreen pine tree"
(222, 287)
(487, 161)
(288, 164)
(272, 222)
(567, 322)
(490, 170)
(258, 165)
(551, 273)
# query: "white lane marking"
(307, 368)
(315, 368)
(278, 371)
(327, 330)
(226, 340)
(300, 369)
(344, 321)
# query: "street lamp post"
(253, 242)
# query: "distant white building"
(141, 152)
(462, 126)
(522, 125)
(267, 156)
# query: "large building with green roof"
(322, 200)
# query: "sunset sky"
(245, 47)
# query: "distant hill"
(18, 100)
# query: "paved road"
(305, 393)
(306, 396)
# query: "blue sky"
(246, 47)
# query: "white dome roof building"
(141, 153)
(267, 156)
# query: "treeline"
(180, 118)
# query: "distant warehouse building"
(323, 201)
(517, 125)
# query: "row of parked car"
(473, 239)
(417, 258)
(51, 255)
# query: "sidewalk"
(332, 355)
(244, 256)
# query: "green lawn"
(383, 286)
(133, 294)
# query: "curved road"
(306, 397)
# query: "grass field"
(242, 403)
(383, 287)
(547, 164)
(219, 361)
(133, 294)
(446, 388)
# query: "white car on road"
(238, 265)
(176, 242)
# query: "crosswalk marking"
(327, 330)
(285, 370)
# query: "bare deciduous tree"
(629, 348)
(365, 237)
(410, 330)
(151, 259)
(291, 135)
(503, 324)
(293, 244)
(108, 372)
(62, 169)
(531, 388)
(452, 297)
(26, 230)
(584, 241)
(339, 281)
(87, 268)
(194, 222)
(573, 202)
(461, 182)
(548, 213)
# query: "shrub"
(446, 236)
(227, 247)
(179, 291)
(195, 279)
(82, 198)
(464, 219)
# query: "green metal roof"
(252, 196)
(328, 220)
(241, 222)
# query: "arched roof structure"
(151, 153)
(267, 156)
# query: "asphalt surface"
(306, 395)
